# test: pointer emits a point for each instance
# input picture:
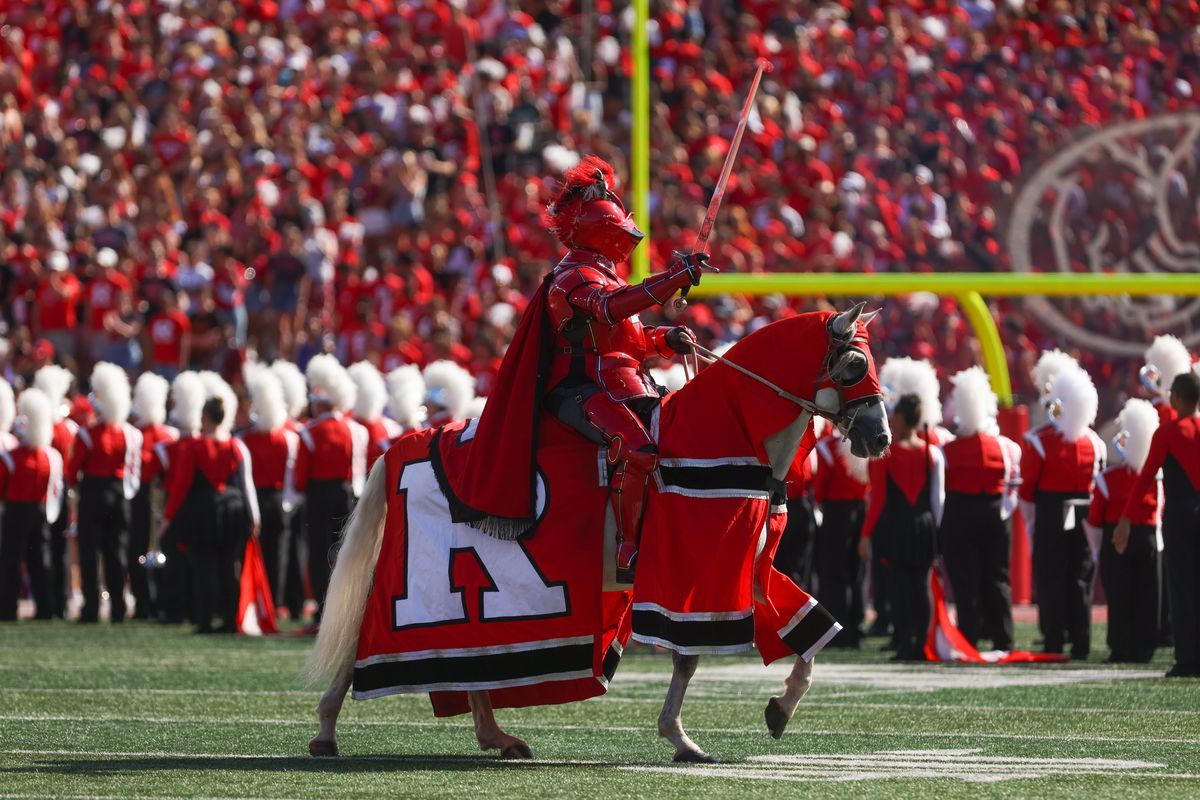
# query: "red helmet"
(587, 214)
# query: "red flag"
(945, 641)
(256, 608)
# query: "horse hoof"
(322, 748)
(516, 752)
(776, 720)
(694, 757)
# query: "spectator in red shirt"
(170, 337)
(229, 292)
(101, 296)
(56, 312)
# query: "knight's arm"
(585, 290)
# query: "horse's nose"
(882, 441)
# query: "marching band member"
(331, 466)
(982, 475)
(212, 475)
(1059, 462)
(1130, 578)
(31, 485)
(1175, 449)
(274, 448)
(907, 493)
(372, 397)
(294, 548)
(1166, 359)
(56, 382)
(449, 390)
(174, 584)
(1049, 364)
(901, 376)
(406, 397)
(105, 466)
(840, 488)
(150, 410)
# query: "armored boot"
(628, 494)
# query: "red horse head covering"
(587, 214)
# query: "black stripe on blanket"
(469, 669)
(694, 633)
(808, 631)
(750, 477)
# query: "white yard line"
(798, 731)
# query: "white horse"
(830, 373)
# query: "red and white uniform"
(1052, 465)
(152, 436)
(33, 475)
(108, 451)
(1112, 498)
(334, 448)
(984, 464)
(273, 456)
(833, 479)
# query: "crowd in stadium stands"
(188, 179)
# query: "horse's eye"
(848, 368)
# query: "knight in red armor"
(578, 356)
(596, 380)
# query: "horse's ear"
(866, 318)
(842, 326)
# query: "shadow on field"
(299, 763)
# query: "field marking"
(539, 726)
(967, 765)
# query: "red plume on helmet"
(587, 214)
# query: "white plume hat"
(975, 403)
(406, 396)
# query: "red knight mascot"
(579, 355)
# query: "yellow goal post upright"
(967, 288)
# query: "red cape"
(490, 479)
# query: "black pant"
(328, 504)
(23, 538)
(214, 583)
(293, 550)
(1131, 585)
(839, 569)
(794, 557)
(272, 538)
(139, 543)
(912, 607)
(976, 544)
(1181, 554)
(103, 528)
(1063, 574)
(59, 577)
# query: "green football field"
(148, 711)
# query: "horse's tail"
(350, 582)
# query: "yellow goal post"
(967, 288)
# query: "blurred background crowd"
(187, 180)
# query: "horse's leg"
(780, 709)
(324, 744)
(670, 721)
(488, 732)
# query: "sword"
(714, 205)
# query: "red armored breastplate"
(608, 352)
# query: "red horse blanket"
(454, 610)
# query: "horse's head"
(848, 390)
